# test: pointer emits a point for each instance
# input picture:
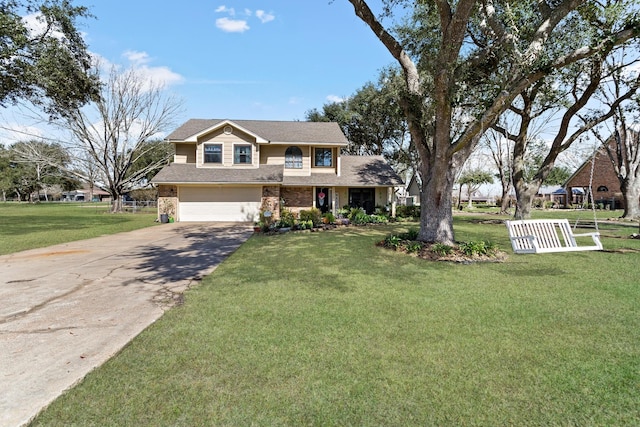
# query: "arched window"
(602, 188)
(293, 158)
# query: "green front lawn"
(329, 329)
(28, 226)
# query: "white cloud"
(224, 9)
(335, 98)
(137, 58)
(232, 25)
(159, 75)
(37, 25)
(264, 17)
(11, 133)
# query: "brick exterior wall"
(271, 200)
(167, 191)
(603, 176)
(297, 198)
(168, 200)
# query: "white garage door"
(229, 204)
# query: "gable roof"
(266, 131)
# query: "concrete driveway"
(66, 309)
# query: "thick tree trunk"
(631, 192)
(436, 217)
(524, 197)
(504, 205)
(116, 203)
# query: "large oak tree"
(464, 62)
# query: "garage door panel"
(229, 204)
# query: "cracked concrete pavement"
(66, 309)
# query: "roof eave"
(195, 136)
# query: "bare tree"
(500, 151)
(582, 82)
(39, 156)
(622, 143)
(112, 133)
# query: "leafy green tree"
(44, 60)
(473, 179)
(464, 62)
(6, 180)
(153, 155)
(558, 175)
(16, 178)
(373, 121)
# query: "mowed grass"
(28, 226)
(327, 329)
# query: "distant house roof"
(266, 131)
(355, 171)
(549, 189)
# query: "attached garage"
(220, 203)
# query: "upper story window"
(242, 154)
(603, 188)
(213, 153)
(293, 158)
(323, 157)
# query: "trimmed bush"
(314, 215)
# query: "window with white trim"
(293, 158)
(213, 153)
(323, 157)
(242, 154)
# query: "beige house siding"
(185, 153)
(228, 142)
(275, 155)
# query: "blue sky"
(271, 60)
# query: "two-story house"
(230, 170)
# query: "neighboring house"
(558, 195)
(605, 183)
(86, 195)
(231, 170)
(413, 191)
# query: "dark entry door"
(323, 199)
(364, 198)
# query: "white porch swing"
(535, 236)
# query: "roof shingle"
(356, 171)
(273, 131)
(182, 173)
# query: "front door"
(323, 199)
(364, 198)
